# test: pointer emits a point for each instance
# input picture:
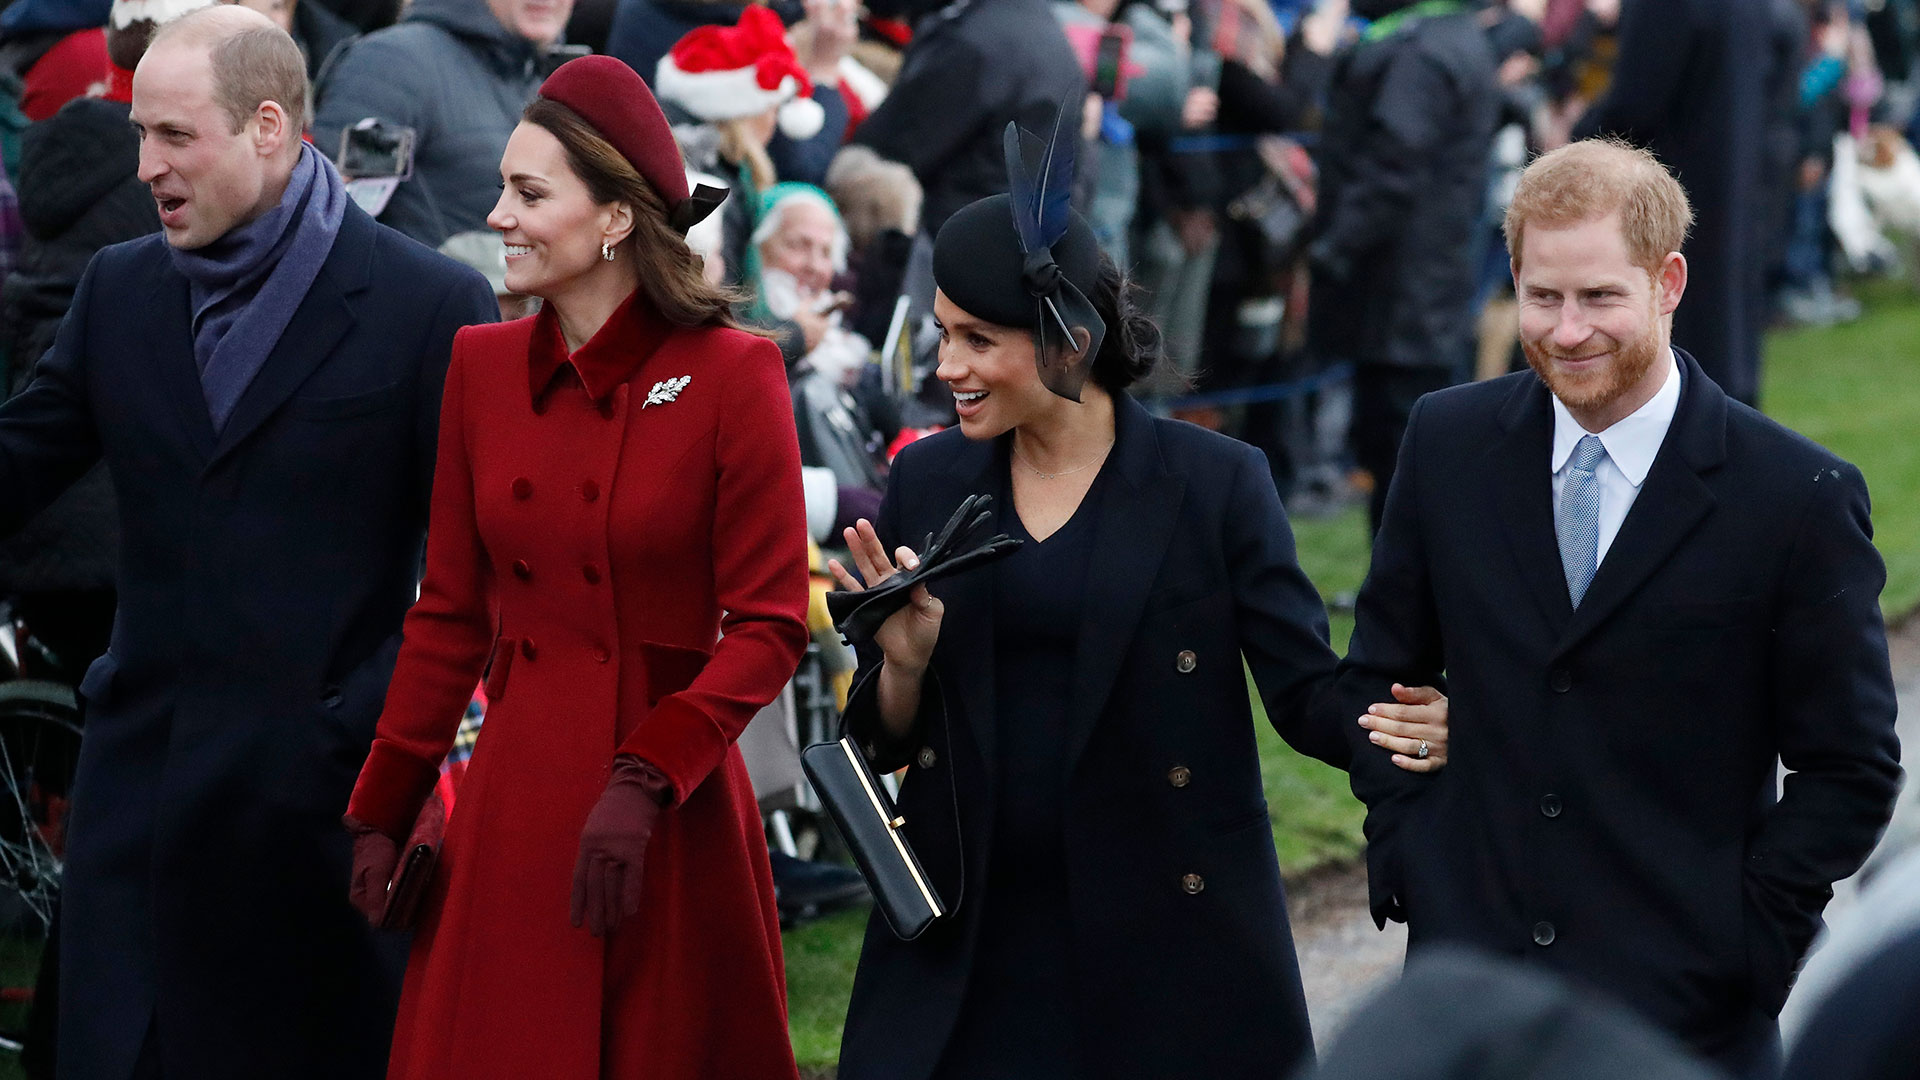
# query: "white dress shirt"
(1631, 445)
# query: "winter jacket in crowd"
(78, 194)
(972, 66)
(452, 72)
(1403, 188)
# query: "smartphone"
(1110, 62)
(551, 60)
(373, 149)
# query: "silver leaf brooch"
(666, 390)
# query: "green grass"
(1856, 390)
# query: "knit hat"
(608, 95)
(724, 72)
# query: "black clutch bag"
(857, 802)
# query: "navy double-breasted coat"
(1181, 953)
(264, 572)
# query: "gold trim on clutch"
(906, 857)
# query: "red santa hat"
(723, 72)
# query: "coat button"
(1193, 884)
(522, 488)
(1561, 680)
(591, 573)
(528, 649)
(589, 490)
(927, 757)
(1543, 933)
(1179, 776)
(522, 569)
(1550, 805)
(601, 655)
(1186, 662)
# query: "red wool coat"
(595, 532)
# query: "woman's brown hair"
(669, 270)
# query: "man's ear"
(1670, 283)
(271, 128)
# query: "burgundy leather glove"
(374, 857)
(613, 845)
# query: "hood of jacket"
(71, 160)
(474, 22)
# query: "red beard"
(1595, 389)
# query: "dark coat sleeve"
(1282, 621)
(1834, 710)
(932, 111)
(47, 434)
(1396, 638)
(862, 716)
(1411, 113)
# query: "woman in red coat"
(618, 489)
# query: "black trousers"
(1383, 398)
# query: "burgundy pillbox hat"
(612, 97)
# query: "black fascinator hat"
(1027, 260)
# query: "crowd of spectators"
(1308, 190)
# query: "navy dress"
(1017, 1019)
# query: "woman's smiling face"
(990, 370)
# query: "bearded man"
(1645, 598)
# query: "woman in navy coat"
(1083, 782)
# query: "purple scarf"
(245, 286)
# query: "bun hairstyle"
(1133, 347)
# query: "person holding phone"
(618, 540)
(1083, 785)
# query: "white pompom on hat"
(724, 72)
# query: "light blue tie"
(1578, 522)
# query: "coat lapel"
(1669, 506)
(171, 338)
(1517, 463)
(322, 319)
(1138, 512)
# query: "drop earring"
(606, 251)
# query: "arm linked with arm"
(1396, 638)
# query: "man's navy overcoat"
(264, 572)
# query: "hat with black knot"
(1027, 260)
(612, 97)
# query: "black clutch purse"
(860, 806)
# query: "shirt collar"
(609, 358)
(1631, 443)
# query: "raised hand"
(908, 636)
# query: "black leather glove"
(962, 545)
